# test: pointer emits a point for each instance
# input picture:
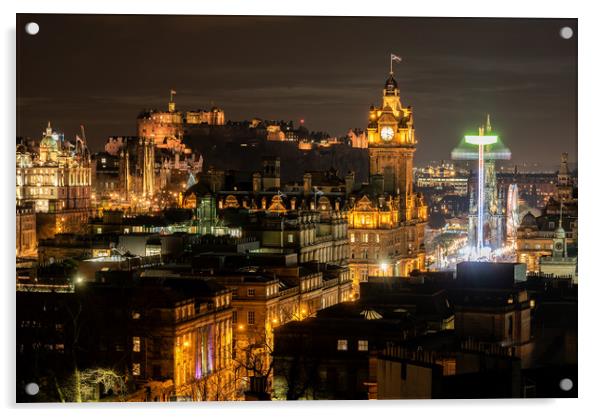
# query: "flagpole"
(391, 64)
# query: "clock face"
(387, 133)
(558, 246)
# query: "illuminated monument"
(486, 226)
(387, 218)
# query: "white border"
(590, 70)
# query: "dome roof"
(391, 84)
(48, 142)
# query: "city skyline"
(519, 70)
(214, 251)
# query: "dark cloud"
(101, 70)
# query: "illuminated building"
(358, 138)
(537, 235)
(167, 128)
(305, 145)
(559, 264)
(387, 219)
(564, 183)
(57, 181)
(274, 133)
(487, 218)
(134, 172)
(442, 178)
(26, 231)
(308, 219)
(76, 247)
(215, 117)
(163, 127)
(173, 330)
(534, 188)
(106, 178)
(264, 300)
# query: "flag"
(173, 92)
(395, 58)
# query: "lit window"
(136, 344)
(352, 237)
(136, 369)
(251, 292)
(342, 344)
(250, 317)
(291, 238)
(362, 345)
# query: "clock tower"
(387, 220)
(559, 241)
(391, 143)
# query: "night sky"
(100, 71)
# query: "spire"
(49, 129)
(564, 169)
(488, 125)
